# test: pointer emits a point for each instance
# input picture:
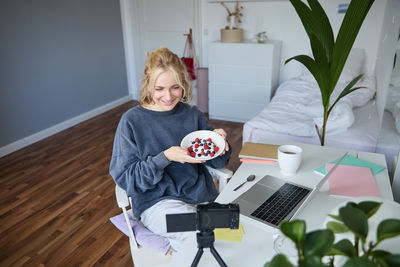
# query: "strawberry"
(216, 149)
(206, 147)
(196, 145)
(197, 140)
(211, 154)
(193, 154)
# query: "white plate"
(204, 134)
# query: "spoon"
(249, 179)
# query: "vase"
(232, 22)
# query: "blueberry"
(195, 150)
(199, 155)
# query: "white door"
(164, 23)
(154, 23)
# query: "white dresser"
(242, 78)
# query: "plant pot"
(231, 35)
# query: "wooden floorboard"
(57, 197)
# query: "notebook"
(272, 200)
(352, 181)
(259, 151)
(258, 160)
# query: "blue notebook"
(353, 161)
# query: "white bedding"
(361, 136)
(297, 107)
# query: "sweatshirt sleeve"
(129, 171)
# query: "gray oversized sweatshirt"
(139, 166)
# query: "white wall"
(281, 22)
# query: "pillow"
(359, 97)
(353, 67)
(144, 236)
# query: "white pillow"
(353, 67)
(361, 96)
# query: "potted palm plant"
(329, 55)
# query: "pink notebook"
(352, 181)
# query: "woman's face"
(167, 92)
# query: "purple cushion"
(144, 237)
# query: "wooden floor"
(57, 197)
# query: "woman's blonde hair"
(159, 61)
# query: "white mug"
(289, 158)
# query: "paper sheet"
(353, 161)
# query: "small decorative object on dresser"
(261, 37)
(232, 33)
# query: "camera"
(207, 218)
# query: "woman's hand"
(223, 134)
(178, 154)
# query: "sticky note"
(227, 234)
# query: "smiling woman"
(147, 161)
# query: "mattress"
(362, 135)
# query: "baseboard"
(26, 141)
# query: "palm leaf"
(351, 24)
(325, 30)
(310, 64)
(305, 14)
(323, 68)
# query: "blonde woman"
(147, 162)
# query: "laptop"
(273, 200)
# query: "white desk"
(257, 246)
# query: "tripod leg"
(217, 257)
(197, 257)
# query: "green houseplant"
(312, 247)
(329, 55)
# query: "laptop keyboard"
(280, 204)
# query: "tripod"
(205, 239)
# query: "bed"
(296, 108)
